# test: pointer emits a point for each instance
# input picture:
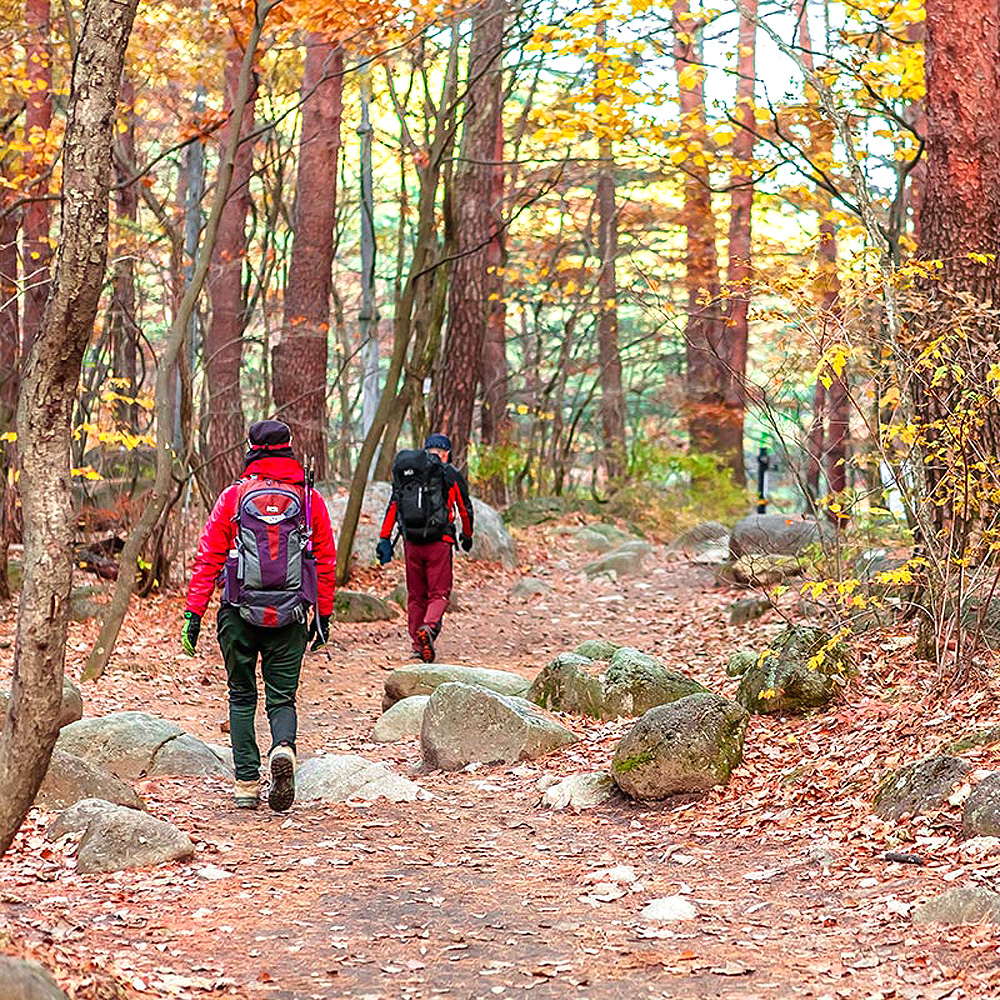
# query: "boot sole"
(281, 794)
(426, 645)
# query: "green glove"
(189, 634)
(320, 631)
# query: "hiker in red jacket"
(269, 543)
(426, 493)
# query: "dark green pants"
(281, 651)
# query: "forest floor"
(481, 892)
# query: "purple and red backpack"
(270, 575)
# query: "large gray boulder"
(920, 787)
(491, 541)
(70, 709)
(70, 779)
(620, 562)
(778, 534)
(528, 587)
(134, 745)
(981, 816)
(803, 668)
(465, 724)
(597, 649)
(423, 678)
(761, 570)
(401, 721)
(357, 606)
(588, 540)
(960, 906)
(705, 542)
(115, 838)
(23, 980)
(339, 777)
(630, 684)
(690, 745)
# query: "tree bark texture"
(705, 348)
(37, 250)
(959, 216)
(740, 271)
(45, 408)
(612, 405)
(476, 227)
(224, 337)
(9, 324)
(300, 358)
(124, 326)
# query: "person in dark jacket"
(429, 563)
(270, 624)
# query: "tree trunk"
(960, 216)
(37, 250)
(476, 228)
(45, 407)
(705, 351)
(9, 326)
(122, 319)
(300, 358)
(612, 405)
(224, 338)
(740, 271)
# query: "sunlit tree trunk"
(612, 404)
(45, 406)
(740, 272)
(475, 229)
(37, 249)
(122, 317)
(224, 337)
(300, 359)
(706, 356)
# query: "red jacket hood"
(285, 470)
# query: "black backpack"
(420, 492)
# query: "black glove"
(466, 542)
(190, 631)
(320, 631)
(383, 551)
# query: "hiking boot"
(246, 794)
(425, 642)
(281, 794)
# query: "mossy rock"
(538, 510)
(977, 738)
(690, 745)
(740, 662)
(804, 668)
(748, 609)
(568, 684)
(596, 649)
(920, 787)
(357, 606)
(981, 816)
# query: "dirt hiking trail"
(480, 891)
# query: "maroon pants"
(428, 585)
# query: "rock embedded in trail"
(357, 606)
(70, 778)
(708, 541)
(133, 745)
(748, 609)
(920, 787)
(115, 838)
(597, 649)
(803, 668)
(690, 745)
(339, 777)
(24, 980)
(70, 710)
(981, 816)
(619, 562)
(528, 587)
(491, 541)
(631, 683)
(960, 906)
(402, 720)
(668, 910)
(591, 541)
(778, 534)
(464, 724)
(761, 570)
(423, 678)
(576, 791)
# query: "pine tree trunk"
(740, 272)
(45, 407)
(959, 216)
(475, 228)
(224, 337)
(705, 351)
(37, 251)
(122, 318)
(300, 359)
